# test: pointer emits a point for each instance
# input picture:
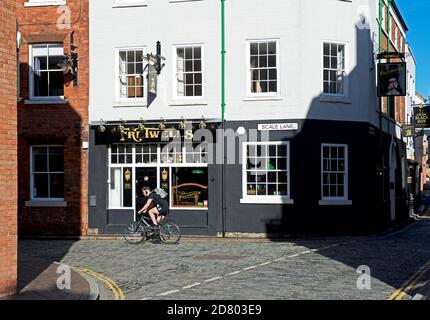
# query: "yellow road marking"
(117, 292)
(400, 293)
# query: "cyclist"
(155, 206)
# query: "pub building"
(334, 159)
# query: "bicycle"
(141, 230)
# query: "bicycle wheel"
(135, 233)
(170, 233)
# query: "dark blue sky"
(417, 16)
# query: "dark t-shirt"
(161, 204)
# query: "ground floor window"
(266, 170)
(334, 172)
(47, 173)
(190, 187)
(181, 170)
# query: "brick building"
(8, 160)
(52, 117)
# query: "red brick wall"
(8, 149)
(65, 124)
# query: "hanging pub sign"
(408, 131)
(422, 117)
(392, 79)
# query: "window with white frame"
(266, 170)
(189, 71)
(46, 76)
(334, 80)
(47, 173)
(334, 172)
(186, 166)
(130, 74)
(263, 67)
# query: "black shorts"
(162, 211)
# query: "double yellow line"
(117, 292)
(400, 293)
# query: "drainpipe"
(388, 50)
(223, 104)
(380, 105)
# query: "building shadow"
(378, 201)
(57, 125)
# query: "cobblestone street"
(244, 269)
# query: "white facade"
(299, 28)
(410, 98)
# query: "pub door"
(145, 177)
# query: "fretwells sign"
(422, 117)
(132, 134)
(149, 134)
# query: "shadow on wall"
(369, 181)
(57, 174)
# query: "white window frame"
(346, 174)
(256, 199)
(346, 75)
(31, 75)
(175, 71)
(40, 3)
(250, 94)
(136, 101)
(157, 166)
(32, 198)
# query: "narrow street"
(245, 269)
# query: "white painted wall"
(300, 25)
(410, 98)
(189, 22)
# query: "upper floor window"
(263, 67)
(334, 80)
(130, 77)
(46, 76)
(189, 71)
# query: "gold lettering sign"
(142, 134)
(421, 117)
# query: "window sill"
(177, 103)
(40, 204)
(129, 104)
(45, 3)
(263, 98)
(335, 99)
(130, 5)
(335, 202)
(268, 200)
(53, 101)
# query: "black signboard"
(391, 55)
(408, 131)
(392, 79)
(136, 134)
(422, 117)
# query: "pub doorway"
(145, 177)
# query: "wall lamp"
(69, 62)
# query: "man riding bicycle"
(156, 207)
